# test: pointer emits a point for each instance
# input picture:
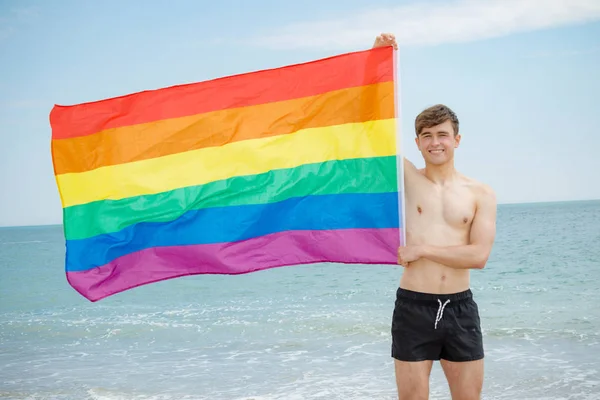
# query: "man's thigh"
(412, 379)
(465, 378)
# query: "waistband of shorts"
(432, 298)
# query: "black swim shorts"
(433, 327)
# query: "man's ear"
(457, 140)
(417, 142)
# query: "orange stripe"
(160, 138)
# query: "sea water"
(302, 332)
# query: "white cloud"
(433, 22)
(568, 53)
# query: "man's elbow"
(481, 259)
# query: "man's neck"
(440, 174)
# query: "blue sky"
(523, 76)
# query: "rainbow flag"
(273, 168)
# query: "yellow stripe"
(249, 157)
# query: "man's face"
(437, 143)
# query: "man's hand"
(385, 39)
(408, 254)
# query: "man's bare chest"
(451, 207)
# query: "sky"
(522, 75)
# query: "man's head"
(437, 134)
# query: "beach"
(301, 332)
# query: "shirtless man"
(450, 229)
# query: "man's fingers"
(401, 260)
(392, 40)
(386, 39)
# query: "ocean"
(302, 332)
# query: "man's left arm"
(483, 232)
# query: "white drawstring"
(440, 312)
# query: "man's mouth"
(436, 151)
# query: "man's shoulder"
(481, 190)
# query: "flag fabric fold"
(280, 167)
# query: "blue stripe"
(235, 223)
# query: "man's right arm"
(388, 39)
(410, 171)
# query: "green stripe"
(363, 175)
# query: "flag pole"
(399, 152)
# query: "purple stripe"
(349, 246)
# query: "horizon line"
(515, 203)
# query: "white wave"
(24, 242)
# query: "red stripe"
(285, 83)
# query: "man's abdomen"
(428, 277)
